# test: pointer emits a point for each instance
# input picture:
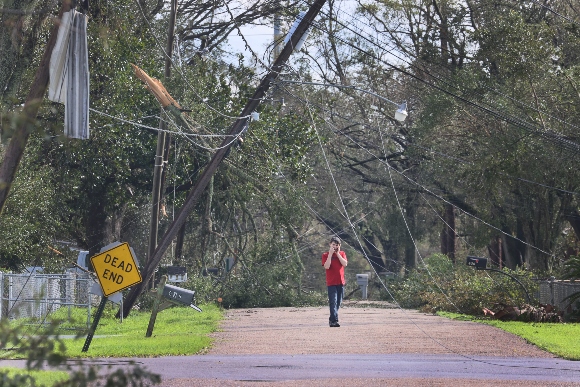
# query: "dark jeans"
(335, 294)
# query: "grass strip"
(42, 378)
(560, 339)
(178, 331)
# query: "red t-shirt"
(334, 274)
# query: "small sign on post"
(176, 274)
(116, 269)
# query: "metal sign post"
(156, 307)
(95, 323)
(172, 295)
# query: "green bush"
(265, 278)
(266, 287)
(439, 285)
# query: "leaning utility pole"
(18, 142)
(162, 138)
(236, 128)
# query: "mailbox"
(477, 262)
(178, 295)
(176, 274)
(362, 279)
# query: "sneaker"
(334, 325)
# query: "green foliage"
(267, 288)
(46, 349)
(269, 277)
(15, 377)
(572, 268)
(511, 44)
(502, 56)
(438, 285)
(30, 220)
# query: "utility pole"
(278, 37)
(236, 128)
(162, 143)
(18, 142)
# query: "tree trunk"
(375, 255)
(207, 225)
(179, 245)
(410, 249)
(95, 227)
(573, 217)
(390, 255)
(25, 124)
(113, 225)
(513, 251)
(448, 232)
(495, 250)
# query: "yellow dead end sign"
(116, 269)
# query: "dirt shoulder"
(370, 329)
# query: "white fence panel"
(554, 292)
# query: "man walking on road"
(334, 261)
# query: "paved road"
(373, 347)
(288, 347)
(355, 370)
(277, 368)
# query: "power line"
(548, 135)
(358, 240)
(156, 129)
(160, 46)
(518, 122)
(390, 50)
(411, 144)
(554, 12)
(413, 182)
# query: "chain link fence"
(35, 295)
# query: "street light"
(400, 114)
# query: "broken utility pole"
(19, 139)
(163, 140)
(236, 128)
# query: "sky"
(258, 37)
